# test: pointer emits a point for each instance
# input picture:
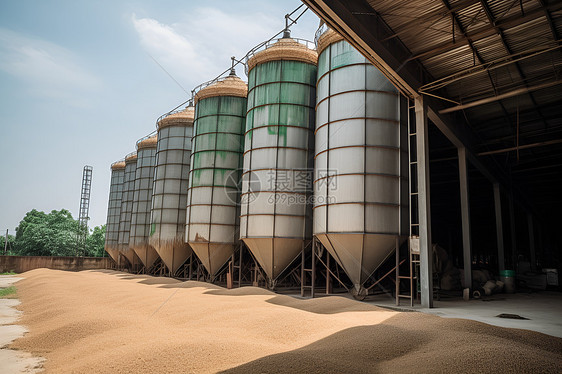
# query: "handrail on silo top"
(145, 137)
(269, 43)
(321, 30)
(221, 76)
(134, 153)
(121, 161)
(175, 110)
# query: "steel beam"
(499, 226)
(367, 31)
(426, 252)
(532, 255)
(516, 92)
(513, 232)
(465, 216)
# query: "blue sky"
(78, 84)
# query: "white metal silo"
(360, 186)
(127, 208)
(142, 201)
(275, 218)
(216, 158)
(169, 194)
(114, 209)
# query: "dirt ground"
(110, 322)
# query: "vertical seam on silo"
(194, 140)
(281, 63)
(364, 173)
(213, 179)
(329, 102)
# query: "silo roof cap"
(149, 142)
(131, 157)
(327, 38)
(118, 165)
(181, 118)
(229, 86)
(284, 49)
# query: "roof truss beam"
(487, 31)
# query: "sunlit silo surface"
(278, 149)
(216, 160)
(169, 195)
(142, 201)
(127, 207)
(358, 144)
(114, 209)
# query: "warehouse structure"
(338, 174)
(486, 75)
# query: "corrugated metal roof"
(466, 51)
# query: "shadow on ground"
(415, 342)
(357, 349)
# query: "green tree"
(53, 234)
(95, 242)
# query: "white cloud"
(46, 69)
(199, 46)
(177, 55)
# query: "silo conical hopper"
(169, 195)
(212, 210)
(114, 210)
(142, 201)
(127, 208)
(357, 182)
(275, 215)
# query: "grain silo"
(169, 195)
(216, 161)
(275, 218)
(142, 201)
(127, 208)
(357, 184)
(114, 210)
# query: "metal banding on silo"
(275, 215)
(212, 209)
(169, 195)
(127, 208)
(142, 201)
(357, 183)
(114, 209)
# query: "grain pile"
(109, 322)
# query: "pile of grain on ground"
(109, 322)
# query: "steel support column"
(465, 215)
(426, 253)
(499, 227)
(513, 232)
(532, 256)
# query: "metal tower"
(84, 209)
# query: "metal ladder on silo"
(413, 239)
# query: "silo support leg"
(499, 227)
(424, 214)
(465, 215)
(311, 270)
(532, 256)
(513, 232)
(328, 277)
